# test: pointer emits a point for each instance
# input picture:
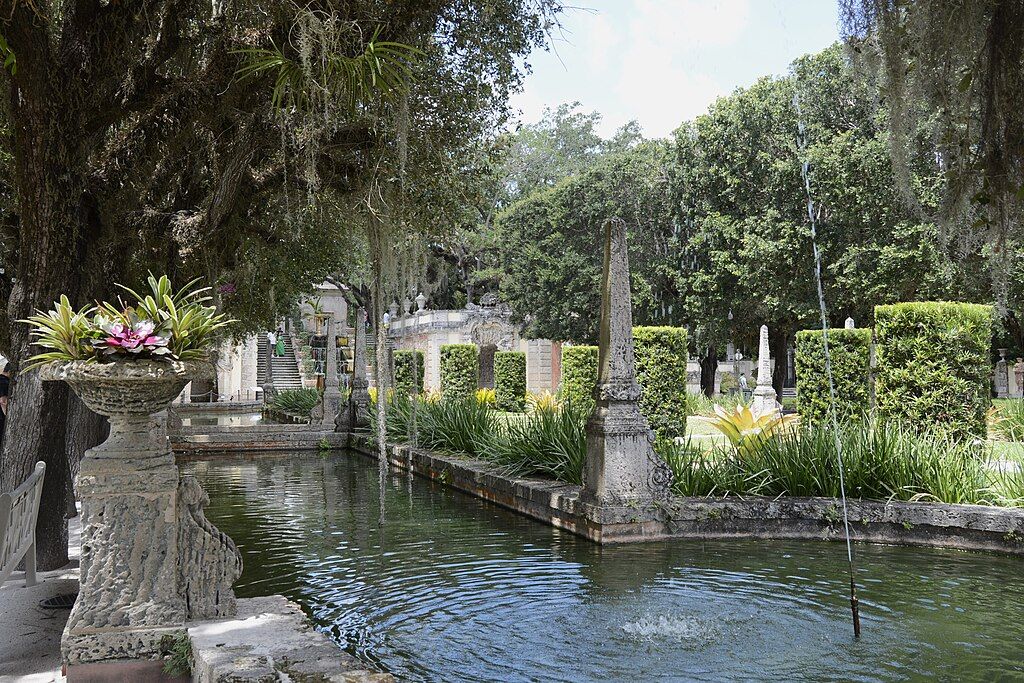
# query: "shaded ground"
(29, 634)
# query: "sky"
(663, 62)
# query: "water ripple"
(450, 588)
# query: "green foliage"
(510, 380)
(452, 425)
(383, 68)
(297, 401)
(747, 431)
(579, 376)
(549, 442)
(881, 462)
(405, 372)
(933, 366)
(1007, 419)
(177, 655)
(551, 257)
(661, 357)
(850, 351)
(460, 370)
(161, 323)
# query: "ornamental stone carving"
(621, 468)
(150, 559)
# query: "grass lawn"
(1008, 450)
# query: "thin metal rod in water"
(805, 172)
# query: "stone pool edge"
(963, 527)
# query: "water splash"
(805, 173)
(679, 629)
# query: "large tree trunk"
(778, 345)
(85, 430)
(708, 368)
(49, 181)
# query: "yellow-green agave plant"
(748, 429)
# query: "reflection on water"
(224, 419)
(451, 588)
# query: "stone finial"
(765, 399)
(1002, 376)
(393, 310)
(621, 468)
(356, 413)
(849, 324)
(406, 306)
(421, 302)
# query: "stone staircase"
(285, 369)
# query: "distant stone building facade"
(489, 326)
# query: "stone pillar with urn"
(150, 561)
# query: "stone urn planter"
(150, 559)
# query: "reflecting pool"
(451, 588)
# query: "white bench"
(18, 512)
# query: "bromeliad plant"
(749, 430)
(164, 323)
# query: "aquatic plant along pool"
(452, 588)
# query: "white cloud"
(662, 62)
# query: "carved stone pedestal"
(150, 559)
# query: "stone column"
(1002, 381)
(356, 413)
(249, 363)
(621, 468)
(327, 412)
(765, 400)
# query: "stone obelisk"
(621, 468)
(355, 414)
(765, 399)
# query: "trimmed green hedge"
(460, 370)
(934, 366)
(850, 351)
(661, 357)
(510, 381)
(579, 375)
(404, 375)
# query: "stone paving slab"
(29, 634)
(269, 640)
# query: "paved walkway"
(29, 634)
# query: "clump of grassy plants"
(881, 462)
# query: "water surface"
(451, 588)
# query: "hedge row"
(934, 365)
(661, 357)
(404, 375)
(850, 351)
(510, 381)
(460, 370)
(579, 375)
